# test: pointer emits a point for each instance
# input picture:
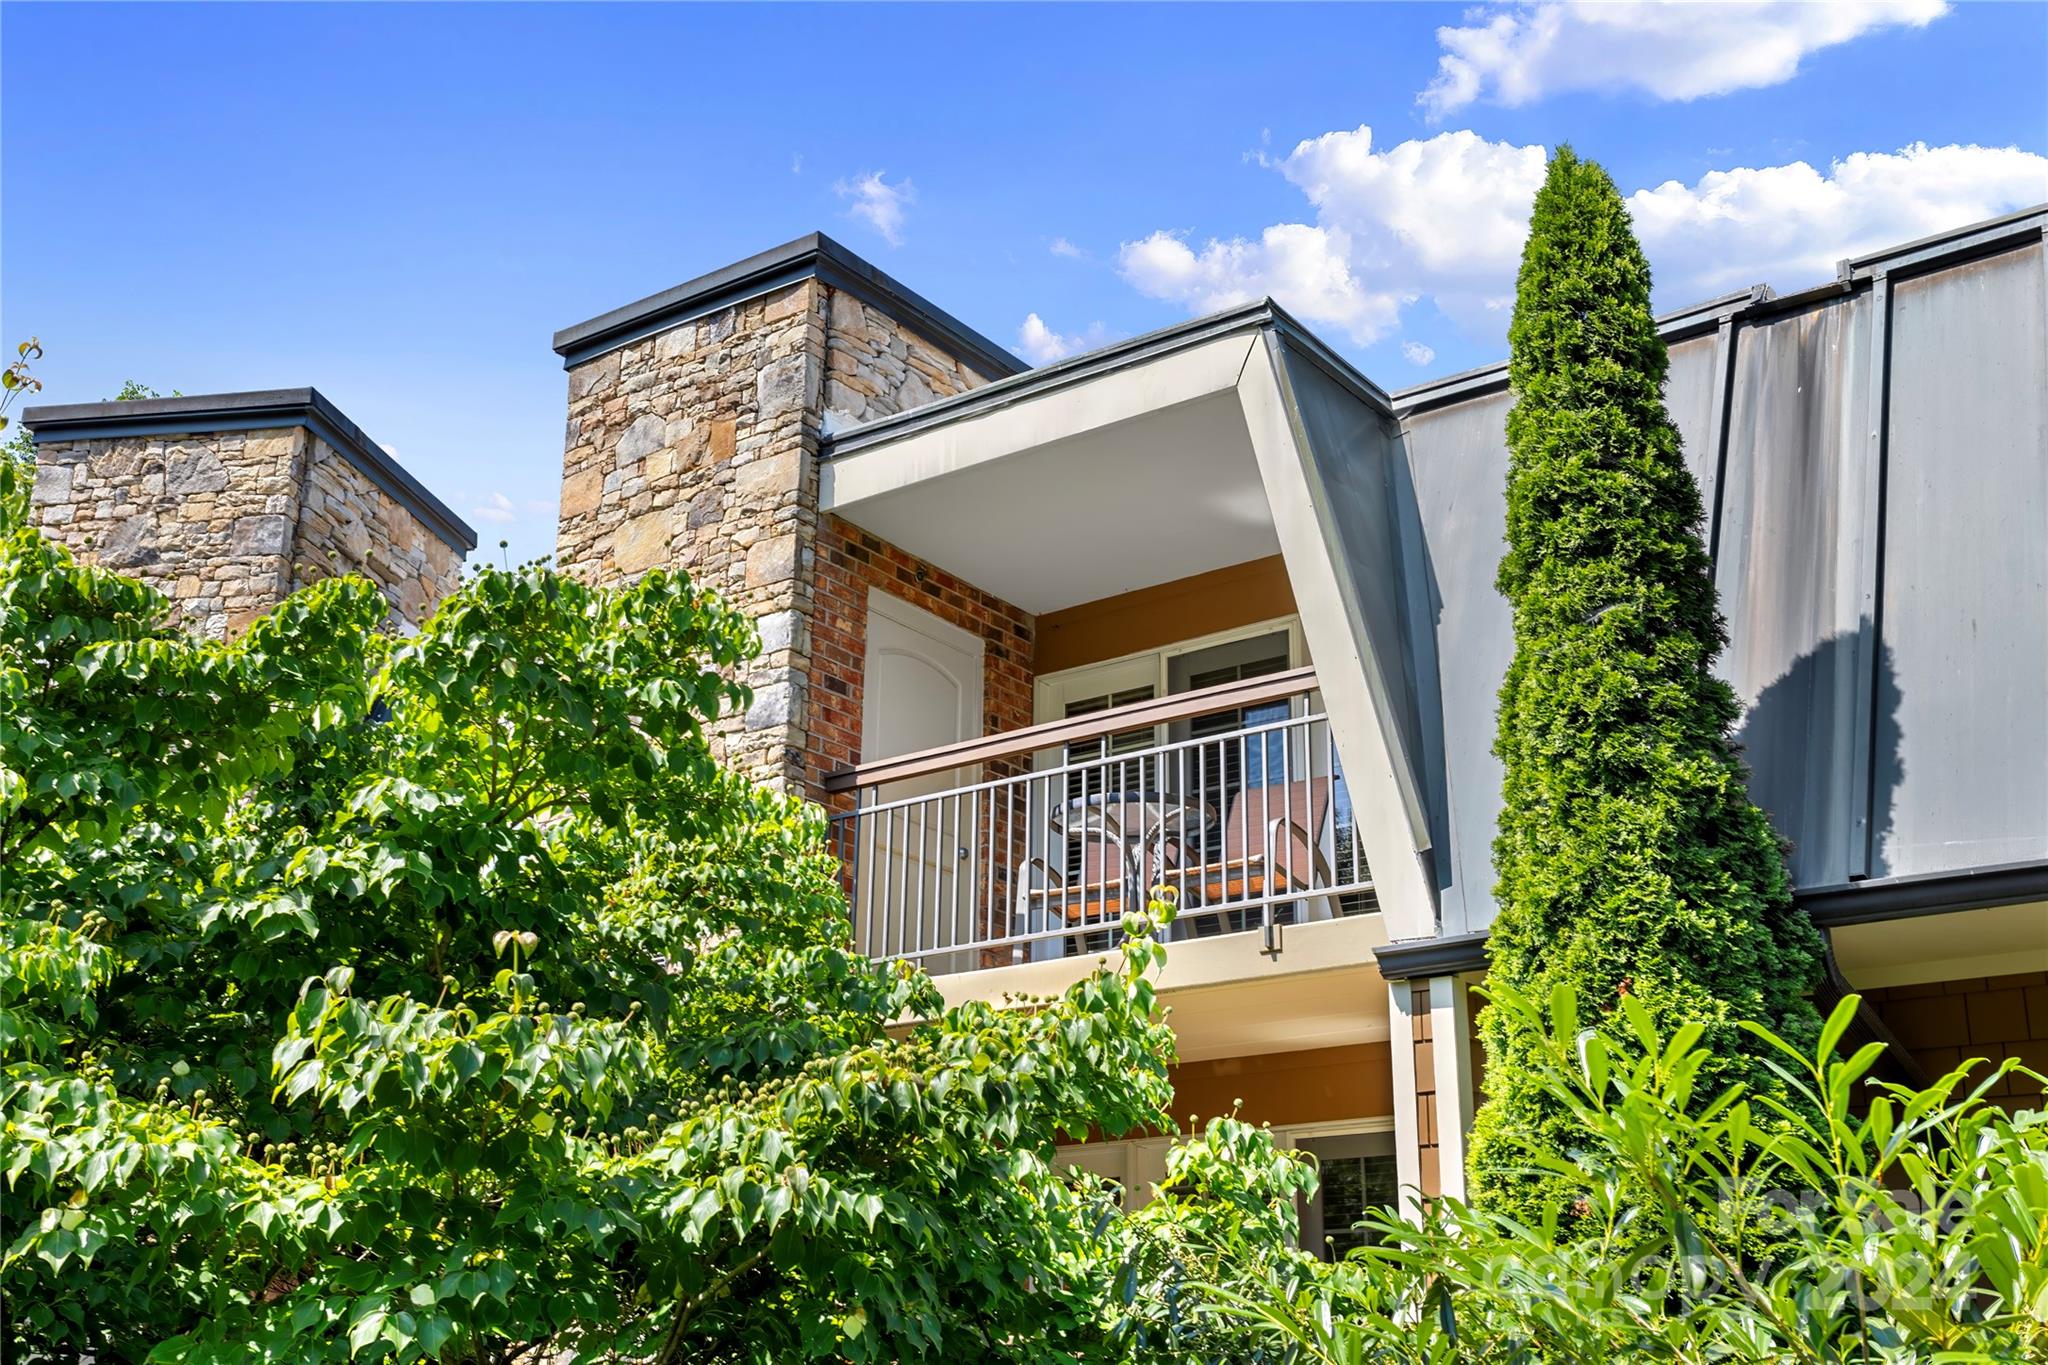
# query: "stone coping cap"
(195, 414)
(813, 254)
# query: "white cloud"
(1443, 219)
(497, 509)
(1789, 225)
(1415, 353)
(882, 205)
(1443, 216)
(796, 164)
(1306, 269)
(1041, 345)
(1062, 247)
(1515, 55)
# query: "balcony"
(1030, 846)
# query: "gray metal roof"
(1993, 234)
(813, 254)
(1872, 457)
(251, 411)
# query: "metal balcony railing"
(1031, 845)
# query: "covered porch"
(1138, 624)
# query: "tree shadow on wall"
(1799, 739)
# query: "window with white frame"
(1356, 1175)
(1354, 1160)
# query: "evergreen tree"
(1631, 859)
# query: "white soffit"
(2002, 940)
(1122, 481)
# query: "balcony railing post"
(996, 878)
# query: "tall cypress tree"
(1630, 857)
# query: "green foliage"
(133, 389)
(443, 998)
(1225, 1216)
(16, 380)
(1906, 1225)
(1632, 863)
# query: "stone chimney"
(227, 502)
(695, 417)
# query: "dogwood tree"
(444, 998)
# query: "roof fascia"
(1048, 379)
(253, 411)
(1886, 898)
(813, 255)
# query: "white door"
(920, 848)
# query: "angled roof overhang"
(1228, 438)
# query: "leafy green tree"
(134, 390)
(16, 380)
(1906, 1225)
(443, 998)
(1632, 863)
(1226, 1215)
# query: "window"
(1100, 778)
(1257, 761)
(1358, 1175)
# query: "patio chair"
(1111, 871)
(1270, 843)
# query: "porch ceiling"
(1145, 500)
(1060, 488)
(1996, 941)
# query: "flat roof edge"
(812, 255)
(1990, 236)
(1928, 893)
(249, 411)
(1046, 379)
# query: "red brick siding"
(850, 562)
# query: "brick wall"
(1945, 1023)
(850, 561)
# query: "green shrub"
(1632, 863)
(1906, 1225)
(442, 998)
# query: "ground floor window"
(1357, 1168)
(1358, 1175)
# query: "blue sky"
(400, 204)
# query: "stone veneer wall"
(347, 524)
(226, 524)
(696, 448)
(874, 368)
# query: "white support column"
(1450, 1014)
(1407, 1138)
